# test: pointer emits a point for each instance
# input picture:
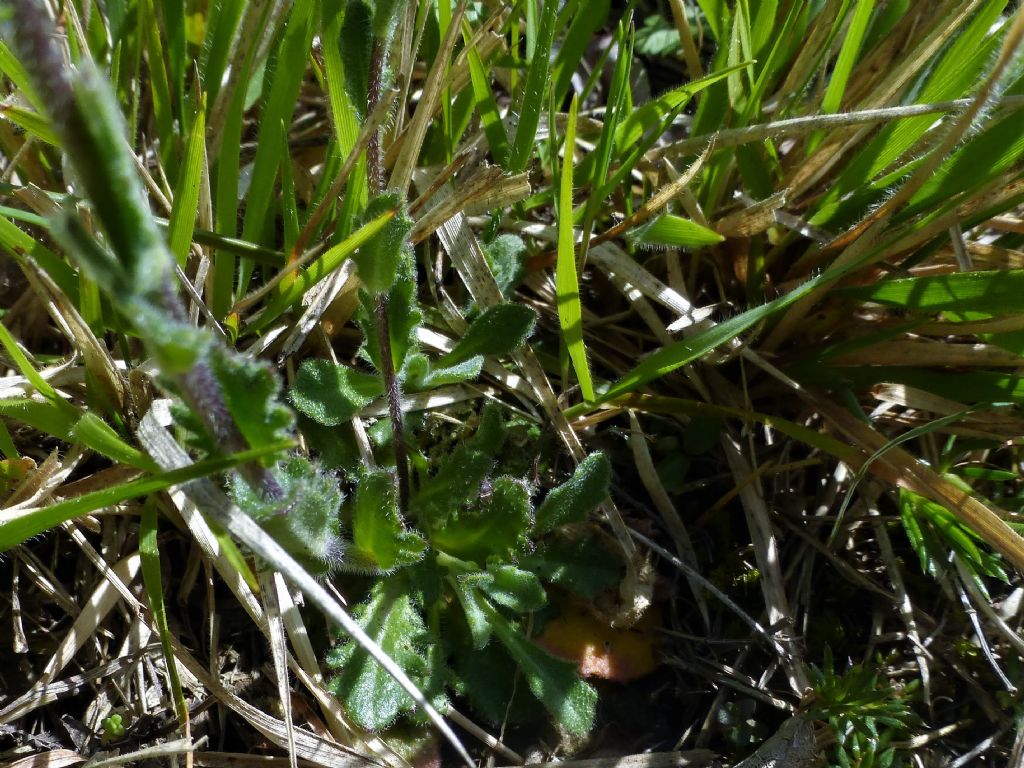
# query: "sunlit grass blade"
(494, 128)
(534, 89)
(567, 285)
(31, 122)
(186, 195)
(13, 69)
(674, 356)
(990, 293)
(676, 232)
(956, 73)
(291, 289)
(855, 32)
(21, 525)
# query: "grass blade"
(24, 524)
(567, 285)
(537, 78)
(151, 577)
(186, 193)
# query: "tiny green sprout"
(113, 728)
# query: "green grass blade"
(160, 89)
(957, 72)
(847, 55)
(674, 356)
(590, 17)
(153, 581)
(646, 116)
(16, 73)
(536, 85)
(991, 293)
(31, 122)
(567, 285)
(226, 208)
(173, 13)
(346, 124)
(494, 128)
(676, 232)
(277, 113)
(222, 20)
(186, 193)
(293, 288)
(18, 242)
(7, 447)
(22, 525)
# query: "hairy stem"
(375, 178)
(91, 130)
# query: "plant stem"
(375, 179)
(91, 133)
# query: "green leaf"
(404, 318)
(150, 556)
(674, 231)
(569, 700)
(647, 116)
(657, 37)
(574, 499)
(476, 619)
(305, 520)
(250, 389)
(18, 243)
(32, 123)
(291, 290)
(379, 258)
(370, 695)
(534, 89)
(993, 293)
(498, 331)
(508, 586)
(460, 476)
(331, 394)
(590, 17)
(505, 258)
(486, 106)
(488, 678)
(380, 540)
(277, 113)
(355, 43)
(567, 284)
(583, 566)
(432, 377)
(496, 527)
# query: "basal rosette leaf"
(553, 681)
(497, 526)
(498, 331)
(305, 521)
(331, 394)
(574, 499)
(370, 696)
(580, 565)
(380, 541)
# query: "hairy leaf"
(572, 501)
